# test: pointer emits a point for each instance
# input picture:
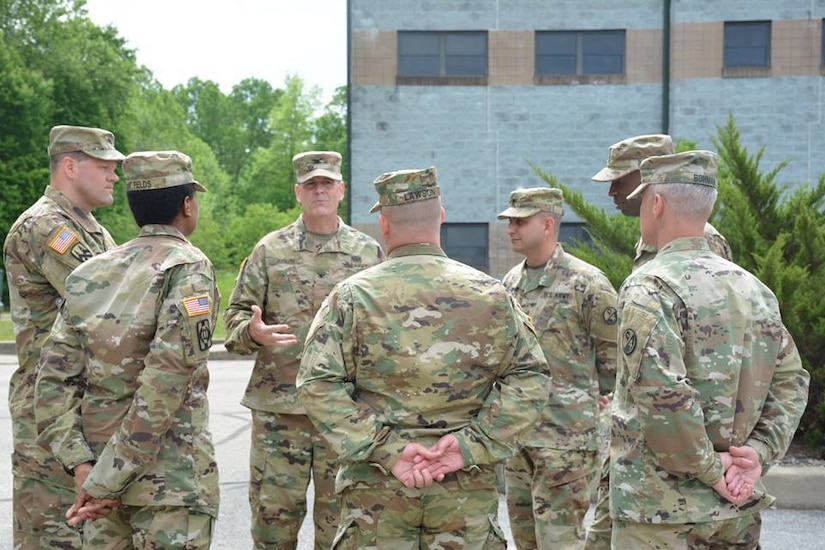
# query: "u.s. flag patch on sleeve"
(63, 239)
(196, 305)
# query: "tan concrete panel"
(643, 56)
(796, 47)
(696, 50)
(511, 58)
(374, 58)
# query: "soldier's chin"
(630, 208)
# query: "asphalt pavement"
(783, 528)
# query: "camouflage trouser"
(150, 528)
(39, 516)
(548, 494)
(730, 534)
(286, 452)
(112, 532)
(443, 516)
(169, 527)
(598, 536)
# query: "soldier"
(573, 307)
(121, 392)
(708, 377)
(420, 370)
(44, 245)
(279, 288)
(622, 171)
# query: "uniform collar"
(88, 221)
(412, 249)
(156, 229)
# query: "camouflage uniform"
(625, 157)
(716, 241)
(288, 274)
(410, 350)
(598, 537)
(123, 382)
(573, 307)
(692, 381)
(42, 247)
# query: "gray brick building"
(483, 88)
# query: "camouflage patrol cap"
(148, 170)
(526, 202)
(95, 142)
(405, 187)
(695, 167)
(317, 163)
(625, 156)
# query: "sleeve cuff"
(242, 343)
(385, 454)
(764, 451)
(712, 474)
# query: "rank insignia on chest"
(63, 239)
(196, 305)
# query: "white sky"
(228, 41)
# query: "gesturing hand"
(269, 335)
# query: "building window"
(442, 54)
(747, 44)
(468, 243)
(574, 232)
(561, 53)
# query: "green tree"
(269, 177)
(25, 109)
(214, 118)
(778, 233)
(253, 100)
(89, 68)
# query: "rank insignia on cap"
(61, 242)
(196, 305)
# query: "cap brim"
(320, 172)
(610, 174)
(375, 207)
(637, 193)
(199, 186)
(106, 154)
(517, 212)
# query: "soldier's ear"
(187, 208)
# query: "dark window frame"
(451, 65)
(752, 52)
(570, 232)
(581, 41)
(480, 240)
